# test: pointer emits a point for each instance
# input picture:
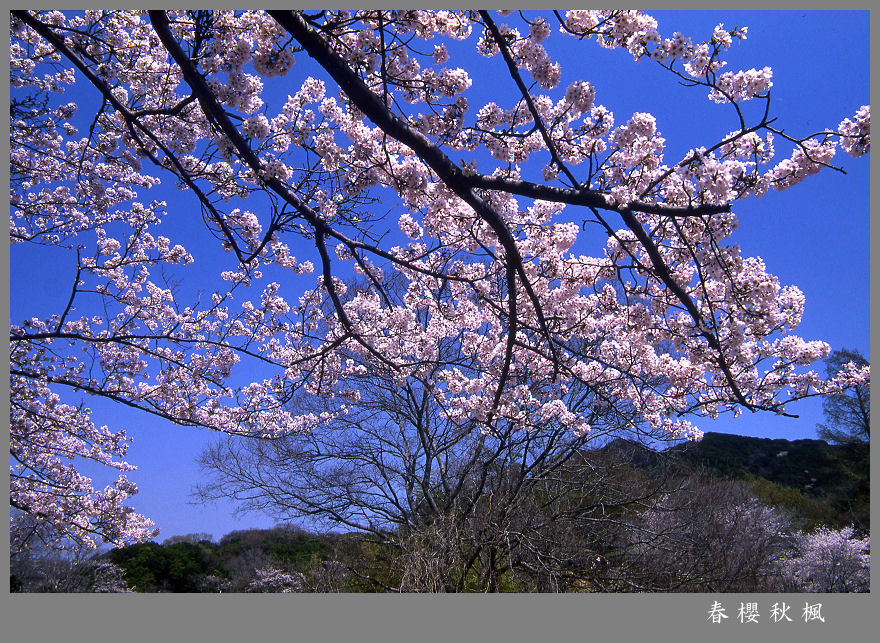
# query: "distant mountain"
(812, 466)
(634, 453)
(828, 482)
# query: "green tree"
(847, 414)
(177, 567)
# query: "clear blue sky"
(815, 235)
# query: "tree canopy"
(847, 413)
(465, 225)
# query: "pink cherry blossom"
(439, 258)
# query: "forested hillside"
(729, 513)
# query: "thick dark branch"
(73, 291)
(452, 176)
(373, 107)
(511, 339)
(517, 78)
(78, 385)
(337, 303)
(662, 272)
(217, 115)
(131, 120)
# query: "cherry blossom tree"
(405, 471)
(377, 164)
(707, 536)
(828, 560)
(271, 580)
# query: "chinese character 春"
(813, 612)
(716, 613)
(779, 613)
(748, 612)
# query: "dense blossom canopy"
(496, 308)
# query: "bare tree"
(459, 505)
(45, 570)
(708, 536)
(493, 266)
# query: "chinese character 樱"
(748, 612)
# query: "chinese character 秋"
(778, 613)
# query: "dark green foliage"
(847, 414)
(850, 496)
(824, 483)
(178, 567)
(286, 545)
(182, 563)
(564, 537)
(802, 464)
(810, 511)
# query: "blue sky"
(815, 235)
